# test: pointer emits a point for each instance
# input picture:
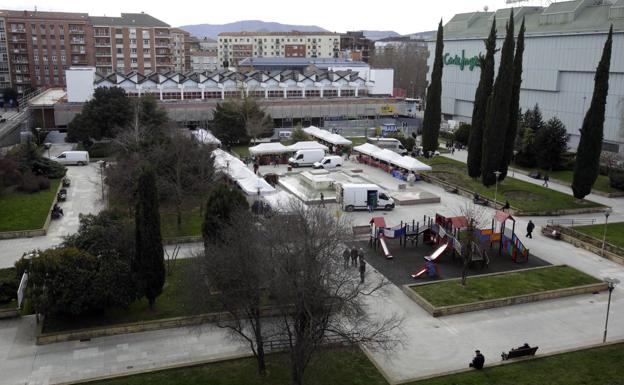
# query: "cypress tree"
(497, 114)
(149, 263)
(514, 107)
(475, 142)
(433, 110)
(587, 162)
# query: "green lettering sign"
(462, 62)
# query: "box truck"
(306, 157)
(353, 196)
(73, 157)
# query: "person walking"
(361, 255)
(346, 255)
(546, 179)
(530, 228)
(354, 256)
(322, 200)
(477, 361)
(255, 168)
(507, 206)
(362, 270)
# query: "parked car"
(330, 161)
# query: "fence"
(571, 222)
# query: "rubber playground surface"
(410, 259)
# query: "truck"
(390, 144)
(306, 157)
(80, 158)
(354, 196)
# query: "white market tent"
(268, 148)
(327, 136)
(307, 145)
(206, 137)
(236, 170)
(392, 158)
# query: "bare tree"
(476, 218)
(409, 64)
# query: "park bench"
(520, 352)
(480, 201)
(451, 189)
(535, 175)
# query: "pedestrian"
(370, 207)
(354, 256)
(546, 179)
(362, 270)
(477, 361)
(530, 228)
(361, 255)
(256, 167)
(452, 150)
(506, 207)
(322, 200)
(346, 255)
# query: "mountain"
(377, 35)
(213, 30)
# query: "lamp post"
(38, 129)
(497, 173)
(101, 163)
(612, 282)
(604, 235)
(513, 170)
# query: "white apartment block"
(235, 46)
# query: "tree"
(104, 116)
(532, 119)
(238, 121)
(149, 263)
(514, 107)
(221, 203)
(8, 94)
(476, 218)
(484, 89)
(324, 298)
(527, 156)
(588, 153)
(409, 63)
(298, 135)
(551, 143)
(433, 109)
(462, 133)
(497, 113)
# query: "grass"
(20, 211)
(242, 150)
(173, 302)
(565, 176)
(448, 293)
(191, 223)
(9, 305)
(343, 366)
(522, 195)
(601, 365)
(357, 140)
(615, 232)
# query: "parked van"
(390, 144)
(330, 161)
(306, 157)
(73, 157)
(362, 196)
(284, 134)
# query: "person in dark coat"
(477, 361)
(362, 270)
(507, 206)
(354, 256)
(346, 254)
(546, 179)
(530, 228)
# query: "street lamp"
(497, 173)
(607, 212)
(611, 282)
(513, 170)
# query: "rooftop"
(43, 15)
(129, 20)
(299, 61)
(291, 33)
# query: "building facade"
(181, 50)
(236, 46)
(204, 55)
(5, 74)
(563, 46)
(355, 46)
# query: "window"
(45, 58)
(133, 60)
(118, 31)
(146, 51)
(146, 42)
(133, 51)
(118, 41)
(53, 58)
(132, 41)
(62, 58)
(36, 57)
(119, 51)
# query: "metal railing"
(571, 222)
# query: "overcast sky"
(401, 16)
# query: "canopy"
(269, 148)
(392, 157)
(206, 137)
(236, 170)
(327, 136)
(307, 145)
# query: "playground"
(432, 248)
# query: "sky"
(401, 16)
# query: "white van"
(284, 134)
(73, 157)
(362, 196)
(330, 161)
(306, 157)
(390, 144)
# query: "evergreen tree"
(551, 142)
(533, 119)
(221, 204)
(475, 142)
(588, 153)
(149, 264)
(512, 126)
(433, 110)
(497, 114)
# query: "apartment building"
(355, 46)
(37, 47)
(132, 42)
(181, 41)
(235, 46)
(204, 54)
(5, 74)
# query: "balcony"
(76, 31)
(103, 54)
(101, 34)
(18, 39)
(18, 30)
(22, 81)
(22, 71)
(77, 41)
(79, 61)
(78, 52)
(104, 63)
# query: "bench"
(480, 201)
(519, 352)
(451, 189)
(535, 175)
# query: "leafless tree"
(476, 218)
(409, 64)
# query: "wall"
(384, 80)
(80, 81)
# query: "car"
(330, 161)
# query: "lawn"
(343, 366)
(448, 293)
(242, 150)
(615, 232)
(522, 195)
(601, 365)
(173, 302)
(20, 211)
(191, 223)
(565, 176)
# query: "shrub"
(9, 283)
(30, 183)
(44, 182)
(49, 168)
(616, 178)
(462, 133)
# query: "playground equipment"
(506, 237)
(404, 232)
(430, 267)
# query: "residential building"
(300, 64)
(563, 45)
(204, 56)
(355, 46)
(181, 50)
(5, 75)
(236, 46)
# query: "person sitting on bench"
(477, 361)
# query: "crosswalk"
(12, 115)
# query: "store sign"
(387, 109)
(461, 61)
